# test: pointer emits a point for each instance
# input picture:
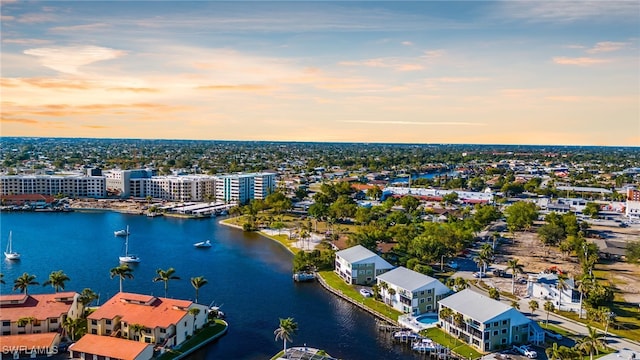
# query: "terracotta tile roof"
(108, 346)
(12, 297)
(145, 310)
(41, 307)
(38, 341)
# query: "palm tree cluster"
(589, 344)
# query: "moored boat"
(304, 276)
(203, 244)
(9, 253)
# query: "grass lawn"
(554, 328)
(457, 346)
(201, 336)
(337, 283)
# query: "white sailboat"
(9, 253)
(128, 258)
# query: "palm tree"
(561, 285)
(458, 319)
(135, 329)
(533, 306)
(584, 285)
(607, 317)
(285, 331)
(391, 293)
(194, 311)
(384, 286)
(71, 326)
(460, 283)
(515, 304)
(23, 282)
(57, 280)
(87, 296)
(197, 283)
(123, 271)
(23, 321)
(592, 342)
(165, 276)
(548, 306)
(553, 353)
(494, 293)
(516, 268)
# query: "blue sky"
(514, 72)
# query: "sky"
(460, 72)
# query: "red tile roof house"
(163, 322)
(46, 312)
(106, 347)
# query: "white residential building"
(413, 293)
(360, 266)
(73, 186)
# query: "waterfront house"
(413, 293)
(358, 265)
(107, 347)
(148, 319)
(486, 324)
(42, 313)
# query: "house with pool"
(411, 292)
(484, 323)
(358, 265)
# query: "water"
(249, 275)
(405, 179)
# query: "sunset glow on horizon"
(482, 72)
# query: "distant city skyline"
(480, 72)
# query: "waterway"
(248, 275)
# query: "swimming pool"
(427, 319)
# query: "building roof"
(30, 341)
(482, 308)
(360, 254)
(412, 281)
(41, 307)
(148, 311)
(107, 346)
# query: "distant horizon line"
(325, 142)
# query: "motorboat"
(122, 232)
(424, 345)
(405, 335)
(304, 276)
(128, 258)
(9, 253)
(203, 244)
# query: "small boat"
(9, 253)
(215, 310)
(304, 276)
(406, 335)
(203, 244)
(121, 232)
(424, 345)
(128, 258)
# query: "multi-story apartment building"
(73, 186)
(244, 187)
(484, 323)
(164, 322)
(413, 293)
(46, 312)
(120, 181)
(360, 266)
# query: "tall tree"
(562, 286)
(197, 283)
(520, 215)
(57, 280)
(23, 282)
(288, 327)
(165, 276)
(123, 271)
(533, 306)
(87, 296)
(27, 320)
(548, 307)
(135, 329)
(516, 268)
(194, 312)
(592, 342)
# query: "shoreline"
(322, 282)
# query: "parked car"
(526, 351)
(499, 272)
(553, 334)
(366, 292)
(476, 275)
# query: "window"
(94, 322)
(422, 301)
(422, 292)
(108, 321)
(163, 331)
(53, 321)
(504, 322)
(495, 323)
(517, 338)
(504, 341)
(429, 299)
(6, 323)
(94, 331)
(488, 325)
(495, 332)
(504, 331)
